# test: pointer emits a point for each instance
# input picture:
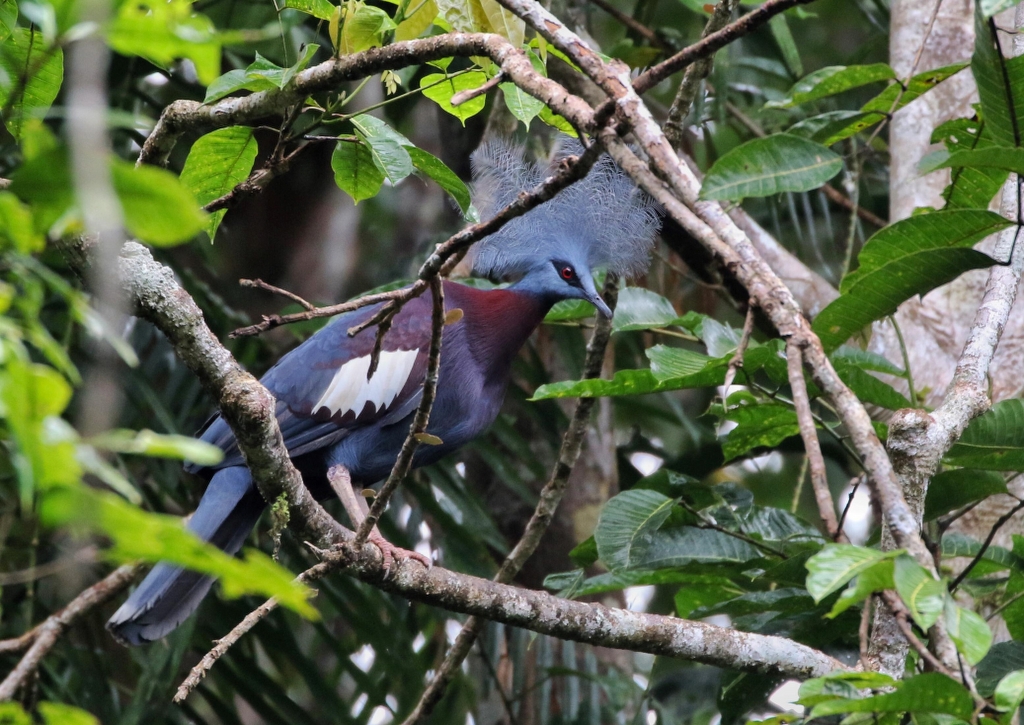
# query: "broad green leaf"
(870, 389)
(951, 490)
(679, 546)
(641, 309)
(363, 28)
(924, 595)
(436, 169)
(1002, 659)
(520, 103)
(764, 425)
(355, 171)
(876, 578)
(148, 443)
(991, 157)
(139, 535)
(440, 89)
(11, 713)
(837, 564)
(555, 121)
(1000, 83)
(841, 684)
(955, 544)
(624, 382)
(771, 165)
(466, 16)
(784, 37)
(832, 80)
(671, 363)
(614, 581)
(57, 713)
(163, 31)
(969, 188)
(1010, 691)
(158, 209)
(217, 163)
(994, 440)
(387, 151)
(784, 600)
(31, 72)
(910, 257)
(8, 18)
(896, 97)
(261, 75)
(690, 598)
(834, 126)
(865, 360)
(968, 631)
(317, 8)
(16, 226)
(627, 524)
(414, 25)
(929, 692)
(994, 7)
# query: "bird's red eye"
(567, 273)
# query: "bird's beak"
(594, 298)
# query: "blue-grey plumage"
(331, 414)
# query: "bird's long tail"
(168, 595)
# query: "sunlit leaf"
(148, 443)
(504, 22)
(158, 209)
(217, 163)
(317, 8)
(261, 75)
(923, 594)
(440, 89)
(771, 165)
(930, 692)
(837, 564)
(641, 309)
(1010, 691)
(385, 147)
(968, 630)
(876, 578)
(363, 28)
(414, 25)
(8, 18)
(31, 73)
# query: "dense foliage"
(700, 497)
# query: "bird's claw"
(389, 552)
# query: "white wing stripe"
(349, 389)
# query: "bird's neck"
(499, 321)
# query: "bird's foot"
(390, 552)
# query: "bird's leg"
(356, 508)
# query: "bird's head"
(601, 222)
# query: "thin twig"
(419, 422)
(196, 675)
(809, 433)
(736, 361)
(849, 500)
(44, 636)
(864, 632)
(470, 93)
(547, 504)
(260, 284)
(984, 545)
(633, 24)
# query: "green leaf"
(704, 594)
(163, 31)
(414, 25)
(780, 31)
(784, 600)
(832, 80)
(364, 28)
(924, 595)
(139, 535)
(436, 169)
(16, 225)
(991, 157)
(355, 171)
(993, 441)
(1010, 691)
(624, 382)
(865, 360)
(627, 524)
(641, 309)
(1002, 659)
(1000, 83)
(385, 147)
(876, 578)
(837, 564)
(11, 713)
(951, 490)
(910, 257)
(930, 692)
(896, 97)
(763, 425)
(870, 389)
(675, 363)
(158, 209)
(994, 7)
(834, 126)
(841, 684)
(217, 163)
(679, 546)
(8, 18)
(261, 75)
(968, 631)
(968, 188)
(558, 122)
(31, 72)
(57, 713)
(440, 89)
(317, 8)
(772, 165)
(955, 544)
(520, 103)
(148, 443)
